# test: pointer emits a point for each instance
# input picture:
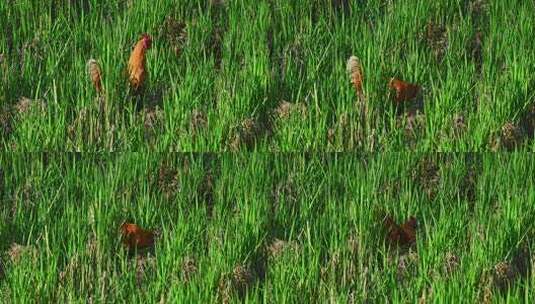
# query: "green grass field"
(220, 84)
(268, 228)
(227, 78)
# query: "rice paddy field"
(263, 228)
(267, 75)
(224, 185)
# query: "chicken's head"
(147, 41)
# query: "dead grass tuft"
(188, 269)
(451, 262)
(235, 283)
(144, 266)
(509, 137)
(459, 124)
(245, 134)
(198, 121)
(168, 180)
(426, 175)
(436, 38)
(18, 252)
(286, 109)
(175, 34)
(25, 105)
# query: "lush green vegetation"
(268, 76)
(220, 82)
(267, 228)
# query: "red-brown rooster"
(134, 236)
(404, 91)
(137, 71)
(401, 235)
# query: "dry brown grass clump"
(242, 278)
(477, 9)
(6, 122)
(426, 175)
(26, 105)
(17, 252)
(468, 185)
(235, 283)
(451, 262)
(175, 34)
(245, 134)
(436, 38)
(88, 125)
(413, 125)
(340, 127)
(188, 269)
(278, 248)
(506, 273)
(285, 193)
(407, 265)
(168, 180)
(69, 272)
(340, 268)
(198, 121)
(509, 137)
(286, 109)
(32, 49)
(153, 120)
(476, 50)
(459, 124)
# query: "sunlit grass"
(242, 59)
(302, 228)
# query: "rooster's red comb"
(147, 39)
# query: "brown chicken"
(356, 75)
(137, 72)
(95, 74)
(401, 235)
(134, 236)
(404, 91)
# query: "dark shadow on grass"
(205, 190)
(219, 28)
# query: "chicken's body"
(136, 237)
(95, 74)
(356, 76)
(404, 91)
(354, 70)
(137, 72)
(404, 234)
